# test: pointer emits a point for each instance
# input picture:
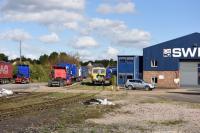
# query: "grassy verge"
(155, 99)
(167, 122)
(33, 99)
(72, 118)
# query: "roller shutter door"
(188, 73)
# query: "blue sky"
(95, 29)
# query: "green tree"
(3, 57)
(44, 59)
(64, 57)
(54, 58)
(39, 73)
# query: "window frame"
(153, 79)
(154, 63)
(122, 60)
(129, 60)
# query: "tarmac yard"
(38, 108)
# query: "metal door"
(188, 73)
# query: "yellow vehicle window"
(100, 71)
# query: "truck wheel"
(61, 84)
(49, 84)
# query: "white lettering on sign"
(188, 52)
(176, 52)
(3, 69)
(181, 52)
(198, 52)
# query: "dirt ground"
(159, 111)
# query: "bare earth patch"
(157, 117)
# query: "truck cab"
(98, 75)
(23, 74)
(59, 77)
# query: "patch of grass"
(154, 100)
(87, 85)
(78, 113)
(189, 105)
(140, 128)
(34, 98)
(167, 122)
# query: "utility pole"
(20, 50)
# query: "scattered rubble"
(5, 92)
(98, 101)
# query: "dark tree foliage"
(3, 57)
(53, 58)
(105, 63)
(44, 59)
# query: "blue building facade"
(129, 67)
(167, 64)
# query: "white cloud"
(84, 42)
(117, 32)
(104, 9)
(28, 50)
(112, 52)
(32, 51)
(54, 16)
(11, 54)
(15, 35)
(120, 8)
(51, 38)
(48, 12)
(85, 55)
(34, 5)
(71, 25)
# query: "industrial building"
(128, 67)
(173, 64)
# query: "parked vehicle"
(72, 70)
(23, 74)
(6, 72)
(98, 76)
(138, 84)
(113, 70)
(84, 72)
(59, 77)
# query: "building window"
(129, 76)
(122, 59)
(130, 59)
(154, 63)
(154, 80)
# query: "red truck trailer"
(6, 72)
(59, 77)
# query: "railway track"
(21, 96)
(17, 111)
(73, 86)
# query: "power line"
(20, 50)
